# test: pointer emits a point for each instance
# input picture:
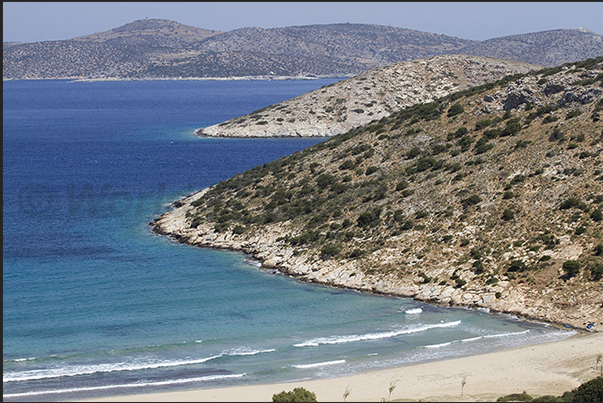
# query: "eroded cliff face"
(378, 93)
(479, 199)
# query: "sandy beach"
(542, 369)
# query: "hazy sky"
(42, 21)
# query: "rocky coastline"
(277, 257)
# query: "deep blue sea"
(95, 304)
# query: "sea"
(95, 304)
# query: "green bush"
(401, 185)
(369, 218)
(324, 180)
(296, 395)
(329, 251)
(508, 215)
(596, 272)
(570, 203)
(556, 134)
(515, 397)
(597, 215)
(347, 164)
(547, 399)
(371, 170)
(455, 109)
(571, 268)
(517, 266)
(471, 200)
(591, 391)
(513, 127)
(481, 124)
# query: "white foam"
(439, 345)
(21, 359)
(413, 311)
(246, 351)
(319, 364)
(372, 336)
(86, 370)
(505, 334)
(128, 385)
(472, 339)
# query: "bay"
(95, 304)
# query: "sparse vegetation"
(296, 395)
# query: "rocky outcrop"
(378, 93)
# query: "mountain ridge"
(159, 49)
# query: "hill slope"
(353, 102)
(548, 48)
(489, 197)
(156, 48)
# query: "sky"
(44, 21)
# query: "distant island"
(164, 49)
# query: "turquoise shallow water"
(96, 304)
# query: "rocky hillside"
(152, 32)
(156, 48)
(548, 48)
(378, 93)
(489, 197)
(362, 45)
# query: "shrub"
(508, 195)
(508, 215)
(556, 134)
(513, 127)
(324, 180)
(569, 203)
(596, 272)
(591, 391)
(517, 266)
(547, 399)
(515, 397)
(401, 185)
(571, 268)
(597, 215)
(413, 152)
(238, 230)
(460, 132)
(371, 170)
(482, 145)
(328, 251)
(369, 218)
(471, 200)
(296, 395)
(455, 109)
(425, 163)
(481, 124)
(573, 114)
(347, 164)
(356, 253)
(550, 119)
